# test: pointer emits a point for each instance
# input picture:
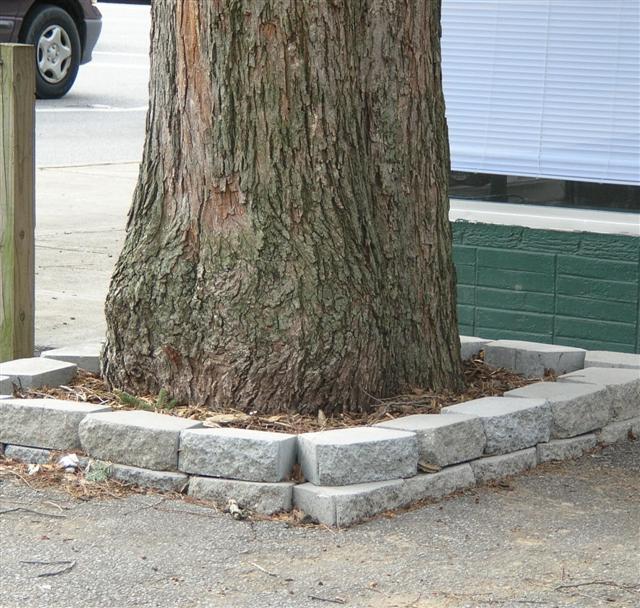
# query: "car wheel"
(55, 37)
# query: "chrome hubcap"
(54, 54)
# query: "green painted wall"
(572, 288)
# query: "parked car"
(63, 32)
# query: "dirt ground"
(562, 535)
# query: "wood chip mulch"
(74, 484)
(481, 380)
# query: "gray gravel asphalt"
(563, 535)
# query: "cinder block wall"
(572, 288)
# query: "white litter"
(69, 463)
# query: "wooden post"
(17, 200)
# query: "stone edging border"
(352, 474)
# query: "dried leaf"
(234, 509)
(225, 418)
(213, 425)
(427, 467)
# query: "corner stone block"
(146, 478)
(357, 455)
(25, 454)
(443, 440)
(6, 387)
(532, 358)
(576, 408)
(497, 467)
(345, 505)
(85, 356)
(509, 424)
(617, 431)
(440, 484)
(135, 438)
(265, 498)
(238, 454)
(566, 449)
(470, 346)
(44, 423)
(605, 358)
(622, 388)
(36, 372)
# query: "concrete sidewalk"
(81, 215)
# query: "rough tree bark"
(288, 246)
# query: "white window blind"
(544, 88)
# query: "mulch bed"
(481, 380)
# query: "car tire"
(54, 34)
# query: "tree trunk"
(289, 246)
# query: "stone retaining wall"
(351, 474)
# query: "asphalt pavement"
(562, 535)
(102, 118)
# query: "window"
(543, 100)
(551, 192)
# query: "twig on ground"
(153, 506)
(22, 477)
(70, 565)
(56, 505)
(328, 528)
(605, 583)
(56, 515)
(263, 569)
(337, 600)
(183, 512)
(371, 396)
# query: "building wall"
(572, 288)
